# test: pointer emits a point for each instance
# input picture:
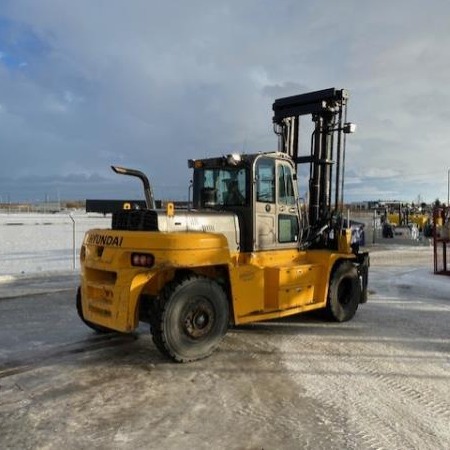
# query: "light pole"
(448, 187)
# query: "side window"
(285, 186)
(235, 193)
(265, 181)
(208, 179)
(287, 228)
(220, 187)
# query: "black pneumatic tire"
(191, 318)
(93, 326)
(344, 293)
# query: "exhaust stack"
(148, 192)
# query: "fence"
(31, 243)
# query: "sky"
(148, 84)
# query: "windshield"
(222, 186)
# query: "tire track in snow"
(381, 407)
(280, 409)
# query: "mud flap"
(363, 272)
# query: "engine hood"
(225, 223)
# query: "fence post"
(74, 250)
(374, 225)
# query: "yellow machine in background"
(246, 251)
(406, 217)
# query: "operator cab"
(260, 189)
(220, 183)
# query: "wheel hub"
(199, 320)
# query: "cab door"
(276, 212)
(287, 206)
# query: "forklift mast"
(328, 108)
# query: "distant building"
(365, 205)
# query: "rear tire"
(190, 319)
(344, 293)
(93, 326)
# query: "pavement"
(12, 286)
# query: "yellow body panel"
(418, 219)
(393, 219)
(111, 286)
(280, 283)
(262, 285)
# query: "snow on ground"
(40, 252)
(34, 243)
(413, 266)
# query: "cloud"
(150, 84)
(378, 173)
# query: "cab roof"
(233, 160)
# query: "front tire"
(344, 293)
(191, 318)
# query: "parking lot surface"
(381, 381)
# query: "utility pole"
(448, 187)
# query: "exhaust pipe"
(149, 199)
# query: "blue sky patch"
(19, 44)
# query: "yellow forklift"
(248, 249)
